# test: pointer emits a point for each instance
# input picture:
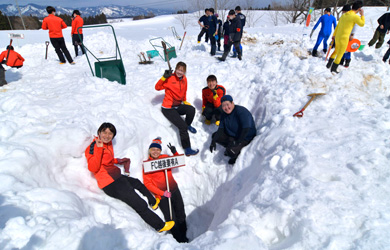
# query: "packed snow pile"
(317, 182)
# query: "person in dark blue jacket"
(226, 35)
(204, 23)
(242, 18)
(212, 31)
(326, 20)
(234, 36)
(236, 130)
(219, 32)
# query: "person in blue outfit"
(219, 32)
(326, 20)
(387, 54)
(226, 34)
(204, 23)
(236, 130)
(212, 31)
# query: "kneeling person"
(211, 98)
(237, 129)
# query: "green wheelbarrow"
(111, 68)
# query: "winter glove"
(167, 194)
(126, 164)
(215, 95)
(213, 146)
(172, 148)
(186, 103)
(167, 74)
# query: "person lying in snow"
(156, 183)
(175, 104)
(100, 157)
(211, 100)
(236, 130)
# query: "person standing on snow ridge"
(204, 19)
(380, 32)
(211, 100)
(219, 32)
(212, 31)
(343, 32)
(326, 20)
(77, 22)
(387, 54)
(55, 25)
(234, 36)
(236, 130)
(175, 104)
(242, 18)
(226, 35)
(156, 183)
(100, 158)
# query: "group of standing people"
(236, 129)
(55, 25)
(231, 29)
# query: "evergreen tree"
(4, 24)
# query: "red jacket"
(14, 58)
(156, 183)
(207, 96)
(76, 23)
(55, 25)
(175, 90)
(101, 163)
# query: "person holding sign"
(101, 160)
(236, 130)
(156, 182)
(175, 104)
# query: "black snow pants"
(174, 116)
(60, 48)
(123, 189)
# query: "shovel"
(300, 112)
(47, 46)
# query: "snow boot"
(232, 161)
(342, 61)
(167, 227)
(221, 59)
(325, 50)
(330, 61)
(155, 206)
(191, 129)
(347, 63)
(217, 123)
(334, 68)
(190, 151)
(2, 76)
(314, 52)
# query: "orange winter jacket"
(76, 23)
(175, 90)
(55, 25)
(208, 96)
(156, 183)
(101, 163)
(14, 58)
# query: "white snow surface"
(317, 182)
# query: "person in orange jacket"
(211, 100)
(77, 22)
(55, 25)
(14, 59)
(101, 160)
(175, 104)
(156, 183)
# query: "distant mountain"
(110, 11)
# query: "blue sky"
(160, 4)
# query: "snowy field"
(317, 182)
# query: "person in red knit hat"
(157, 184)
(101, 162)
